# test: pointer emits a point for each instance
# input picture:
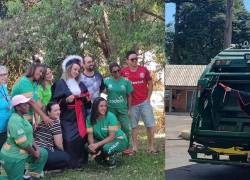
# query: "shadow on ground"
(208, 172)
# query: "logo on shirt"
(138, 82)
(110, 86)
(104, 128)
(117, 101)
(142, 75)
(123, 87)
(126, 74)
(20, 131)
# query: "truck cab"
(220, 131)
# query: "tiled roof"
(183, 75)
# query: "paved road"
(208, 172)
(177, 165)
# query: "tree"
(103, 29)
(199, 29)
(241, 23)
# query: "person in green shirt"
(44, 88)
(20, 147)
(105, 138)
(27, 86)
(119, 99)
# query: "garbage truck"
(220, 130)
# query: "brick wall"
(179, 100)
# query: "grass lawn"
(140, 166)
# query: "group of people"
(58, 124)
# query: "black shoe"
(100, 160)
(111, 162)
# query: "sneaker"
(111, 162)
(42, 174)
(99, 160)
(32, 176)
(155, 152)
(27, 177)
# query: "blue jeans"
(144, 111)
(57, 159)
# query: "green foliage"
(14, 7)
(199, 32)
(58, 28)
(241, 23)
(169, 39)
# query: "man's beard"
(91, 68)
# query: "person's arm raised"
(39, 111)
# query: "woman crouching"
(104, 136)
(19, 147)
(51, 139)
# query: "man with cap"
(19, 147)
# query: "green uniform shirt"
(117, 92)
(26, 87)
(44, 94)
(19, 136)
(105, 125)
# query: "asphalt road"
(208, 172)
(177, 165)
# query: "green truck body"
(220, 131)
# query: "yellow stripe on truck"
(232, 150)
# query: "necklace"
(6, 97)
(4, 94)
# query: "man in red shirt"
(140, 105)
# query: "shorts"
(144, 111)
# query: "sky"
(170, 10)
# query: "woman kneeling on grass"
(50, 138)
(19, 147)
(104, 136)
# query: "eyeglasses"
(117, 71)
(133, 59)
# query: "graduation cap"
(72, 59)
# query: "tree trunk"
(105, 42)
(228, 24)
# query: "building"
(180, 86)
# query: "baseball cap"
(19, 99)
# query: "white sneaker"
(26, 176)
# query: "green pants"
(14, 167)
(116, 146)
(122, 116)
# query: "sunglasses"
(133, 59)
(117, 71)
